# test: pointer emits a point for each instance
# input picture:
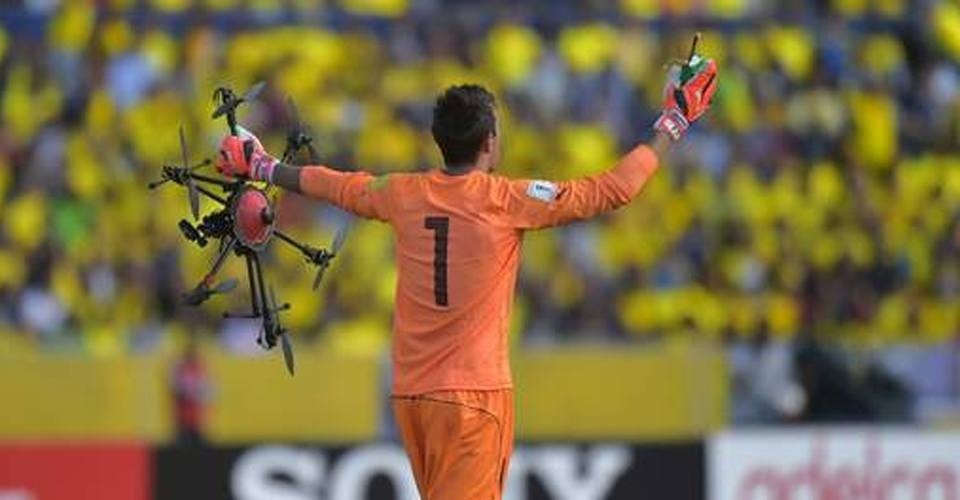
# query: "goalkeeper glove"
(687, 96)
(244, 156)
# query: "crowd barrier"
(576, 393)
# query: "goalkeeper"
(458, 230)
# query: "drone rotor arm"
(306, 250)
(212, 180)
(213, 196)
(205, 289)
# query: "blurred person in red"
(458, 231)
(191, 394)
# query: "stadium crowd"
(820, 198)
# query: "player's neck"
(457, 170)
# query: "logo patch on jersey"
(542, 190)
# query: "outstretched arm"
(358, 192)
(535, 204)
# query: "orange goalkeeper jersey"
(457, 241)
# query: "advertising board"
(834, 463)
(74, 471)
(380, 471)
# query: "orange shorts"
(459, 442)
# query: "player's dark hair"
(463, 117)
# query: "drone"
(245, 223)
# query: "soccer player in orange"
(458, 231)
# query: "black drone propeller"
(285, 343)
(203, 291)
(298, 137)
(325, 256)
(229, 101)
(192, 193)
(165, 177)
(273, 329)
(183, 174)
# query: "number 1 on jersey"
(441, 229)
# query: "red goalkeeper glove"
(687, 96)
(244, 156)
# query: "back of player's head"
(463, 118)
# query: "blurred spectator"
(191, 395)
(766, 387)
(836, 393)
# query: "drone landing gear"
(263, 303)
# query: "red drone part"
(254, 218)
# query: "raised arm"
(537, 204)
(358, 192)
(534, 204)
(361, 193)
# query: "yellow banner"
(69, 396)
(570, 393)
(329, 400)
(633, 393)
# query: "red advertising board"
(75, 472)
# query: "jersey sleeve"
(534, 204)
(361, 193)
